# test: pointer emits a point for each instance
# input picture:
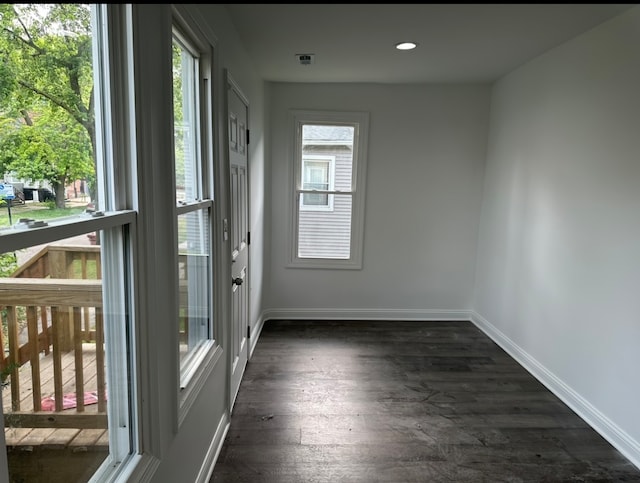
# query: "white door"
(237, 111)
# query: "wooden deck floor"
(402, 402)
(55, 437)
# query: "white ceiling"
(457, 42)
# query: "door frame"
(231, 84)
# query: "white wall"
(188, 451)
(424, 180)
(558, 267)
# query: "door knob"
(237, 281)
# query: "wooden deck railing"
(54, 311)
(54, 342)
(63, 261)
(57, 297)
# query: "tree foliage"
(8, 264)
(46, 96)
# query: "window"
(317, 174)
(329, 156)
(68, 325)
(194, 203)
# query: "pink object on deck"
(69, 401)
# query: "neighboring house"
(27, 190)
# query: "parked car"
(44, 194)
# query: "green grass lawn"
(35, 211)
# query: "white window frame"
(360, 121)
(331, 171)
(197, 367)
(117, 221)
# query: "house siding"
(327, 234)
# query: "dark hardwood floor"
(402, 402)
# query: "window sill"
(192, 380)
(315, 263)
(15, 239)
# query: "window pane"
(324, 219)
(313, 199)
(56, 373)
(194, 272)
(185, 77)
(326, 234)
(64, 305)
(331, 140)
(46, 146)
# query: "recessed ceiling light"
(406, 45)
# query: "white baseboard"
(206, 470)
(618, 438)
(256, 330)
(365, 314)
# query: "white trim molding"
(256, 330)
(213, 452)
(618, 438)
(366, 314)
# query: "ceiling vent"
(306, 59)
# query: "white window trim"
(115, 124)
(297, 118)
(14, 238)
(193, 375)
(332, 178)
(126, 456)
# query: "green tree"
(47, 129)
(8, 264)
